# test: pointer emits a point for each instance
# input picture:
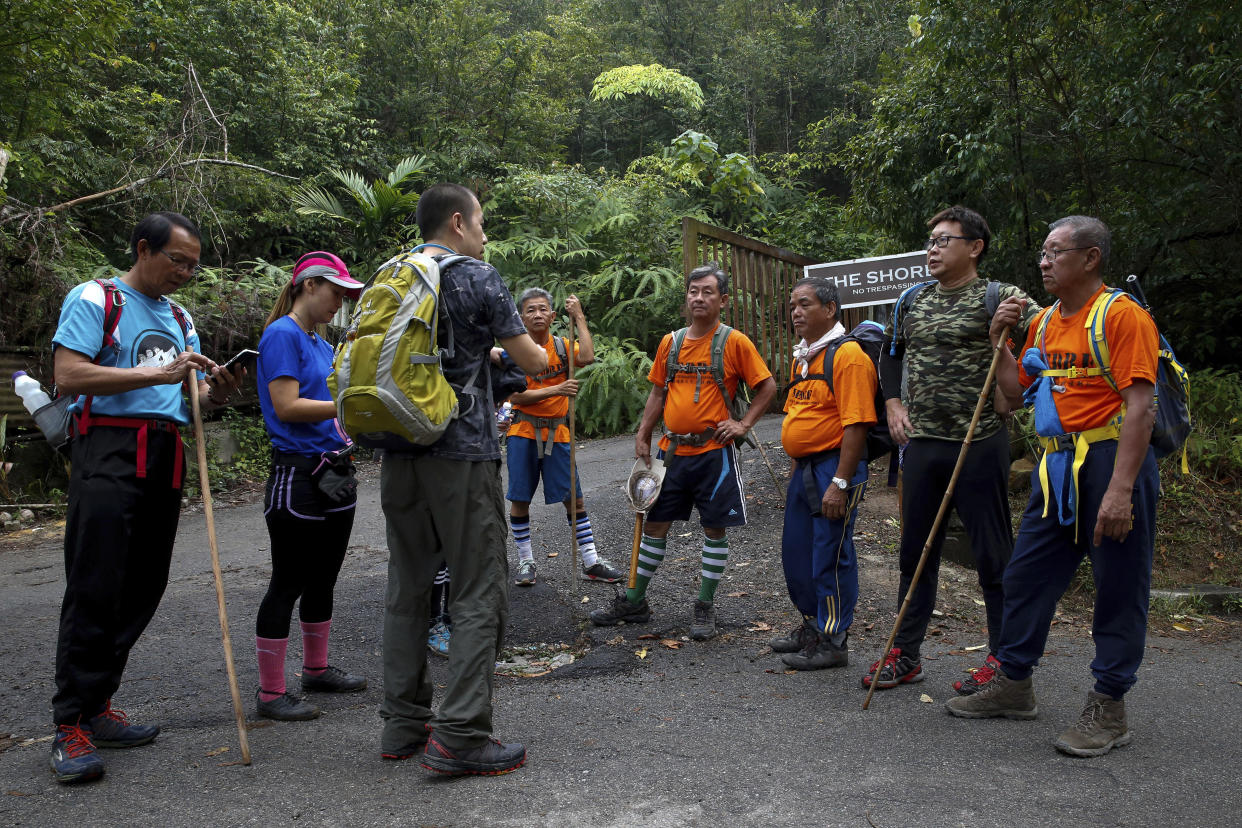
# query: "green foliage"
(229, 306)
(1215, 444)
(730, 182)
(614, 388)
(653, 81)
(251, 464)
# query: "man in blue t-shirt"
(125, 487)
(446, 503)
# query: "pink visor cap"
(327, 266)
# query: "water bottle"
(32, 394)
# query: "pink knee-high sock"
(271, 652)
(315, 646)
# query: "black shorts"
(710, 482)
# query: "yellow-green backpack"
(387, 379)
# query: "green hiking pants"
(437, 509)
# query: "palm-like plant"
(377, 211)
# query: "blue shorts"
(710, 482)
(526, 467)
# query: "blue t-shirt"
(147, 334)
(285, 350)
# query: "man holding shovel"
(825, 432)
(128, 469)
(931, 369)
(698, 449)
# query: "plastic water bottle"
(32, 394)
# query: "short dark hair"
(156, 229)
(437, 205)
(533, 293)
(974, 225)
(1087, 231)
(710, 269)
(825, 291)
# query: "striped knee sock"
(586, 540)
(715, 554)
(521, 536)
(650, 556)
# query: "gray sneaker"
(621, 611)
(1100, 728)
(1000, 697)
(601, 571)
(525, 573)
(704, 626)
(797, 640)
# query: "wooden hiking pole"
(632, 582)
(944, 507)
(573, 468)
(200, 446)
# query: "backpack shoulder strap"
(1096, 336)
(904, 302)
(114, 301)
(991, 298)
(674, 351)
(562, 351)
(718, 345)
(1041, 324)
(179, 314)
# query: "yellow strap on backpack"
(1081, 442)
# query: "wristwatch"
(840, 483)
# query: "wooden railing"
(761, 278)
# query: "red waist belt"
(86, 420)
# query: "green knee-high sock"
(650, 556)
(715, 554)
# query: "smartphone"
(244, 357)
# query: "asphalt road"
(705, 734)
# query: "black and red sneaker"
(978, 677)
(894, 670)
(489, 759)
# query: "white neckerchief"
(804, 353)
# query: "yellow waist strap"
(1080, 442)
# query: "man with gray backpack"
(443, 501)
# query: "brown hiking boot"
(1001, 696)
(1100, 728)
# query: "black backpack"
(870, 337)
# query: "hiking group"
(469, 347)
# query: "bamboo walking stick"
(201, 448)
(632, 583)
(944, 508)
(573, 469)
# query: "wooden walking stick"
(944, 507)
(201, 448)
(573, 469)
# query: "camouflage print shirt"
(947, 355)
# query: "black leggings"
(309, 536)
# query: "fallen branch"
(133, 185)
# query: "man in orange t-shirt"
(1113, 509)
(697, 448)
(825, 430)
(537, 444)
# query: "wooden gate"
(762, 277)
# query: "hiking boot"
(1001, 696)
(1100, 728)
(819, 654)
(73, 756)
(798, 639)
(601, 571)
(489, 759)
(978, 677)
(333, 680)
(285, 708)
(438, 639)
(525, 573)
(704, 626)
(110, 729)
(621, 611)
(896, 669)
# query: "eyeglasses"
(1051, 253)
(181, 264)
(943, 241)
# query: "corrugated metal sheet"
(33, 361)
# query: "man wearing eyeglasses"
(1098, 498)
(932, 369)
(127, 374)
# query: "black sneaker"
(333, 680)
(621, 611)
(704, 626)
(799, 637)
(601, 571)
(489, 759)
(111, 729)
(73, 756)
(897, 669)
(406, 751)
(820, 654)
(285, 708)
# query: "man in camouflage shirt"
(941, 357)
